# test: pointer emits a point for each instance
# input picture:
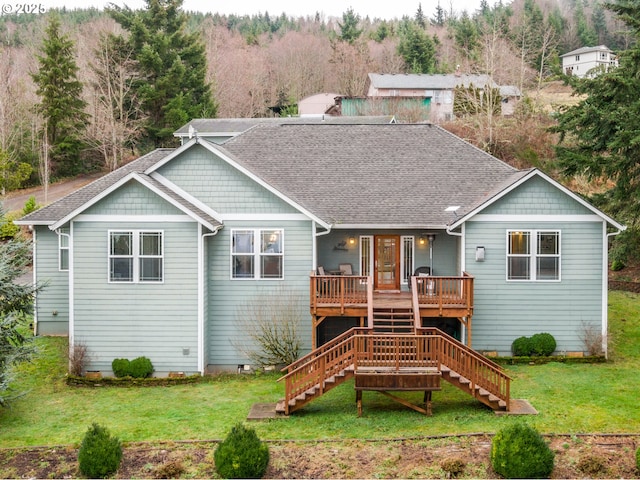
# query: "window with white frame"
(257, 254)
(136, 256)
(533, 255)
(63, 251)
(407, 258)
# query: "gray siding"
(52, 303)
(130, 320)
(131, 199)
(505, 310)
(221, 186)
(228, 299)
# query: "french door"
(386, 262)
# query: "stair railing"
(475, 367)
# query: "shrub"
(592, 465)
(452, 466)
(519, 451)
(521, 347)
(78, 358)
(242, 454)
(543, 344)
(617, 265)
(31, 205)
(120, 367)
(638, 459)
(8, 229)
(100, 453)
(140, 367)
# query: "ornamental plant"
(543, 344)
(140, 367)
(519, 451)
(241, 454)
(100, 453)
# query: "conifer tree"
(417, 49)
(61, 105)
(349, 31)
(171, 88)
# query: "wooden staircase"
(393, 320)
(338, 360)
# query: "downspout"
(201, 261)
(34, 256)
(315, 244)
(605, 287)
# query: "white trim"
(34, 278)
(535, 218)
(135, 218)
(533, 173)
(605, 290)
(72, 292)
(402, 258)
(258, 217)
(136, 256)
(257, 254)
(61, 248)
(132, 176)
(533, 255)
(186, 195)
(388, 226)
(200, 300)
(370, 254)
(213, 148)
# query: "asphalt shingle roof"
(393, 175)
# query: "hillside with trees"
(88, 90)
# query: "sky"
(372, 8)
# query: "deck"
(353, 296)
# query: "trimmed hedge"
(540, 344)
(140, 367)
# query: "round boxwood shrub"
(519, 451)
(100, 453)
(140, 367)
(120, 367)
(543, 344)
(241, 454)
(521, 347)
(638, 459)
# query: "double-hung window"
(63, 251)
(257, 254)
(533, 255)
(136, 256)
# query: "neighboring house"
(588, 61)
(432, 93)
(161, 257)
(317, 104)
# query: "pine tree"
(420, 18)
(599, 135)
(172, 88)
(349, 31)
(417, 49)
(61, 106)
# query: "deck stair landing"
(361, 348)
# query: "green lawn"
(575, 398)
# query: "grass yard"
(571, 399)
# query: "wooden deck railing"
(429, 348)
(340, 290)
(443, 292)
(476, 368)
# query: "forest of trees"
(88, 90)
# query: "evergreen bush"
(521, 347)
(241, 454)
(519, 451)
(543, 344)
(100, 453)
(638, 459)
(140, 367)
(120, 367)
